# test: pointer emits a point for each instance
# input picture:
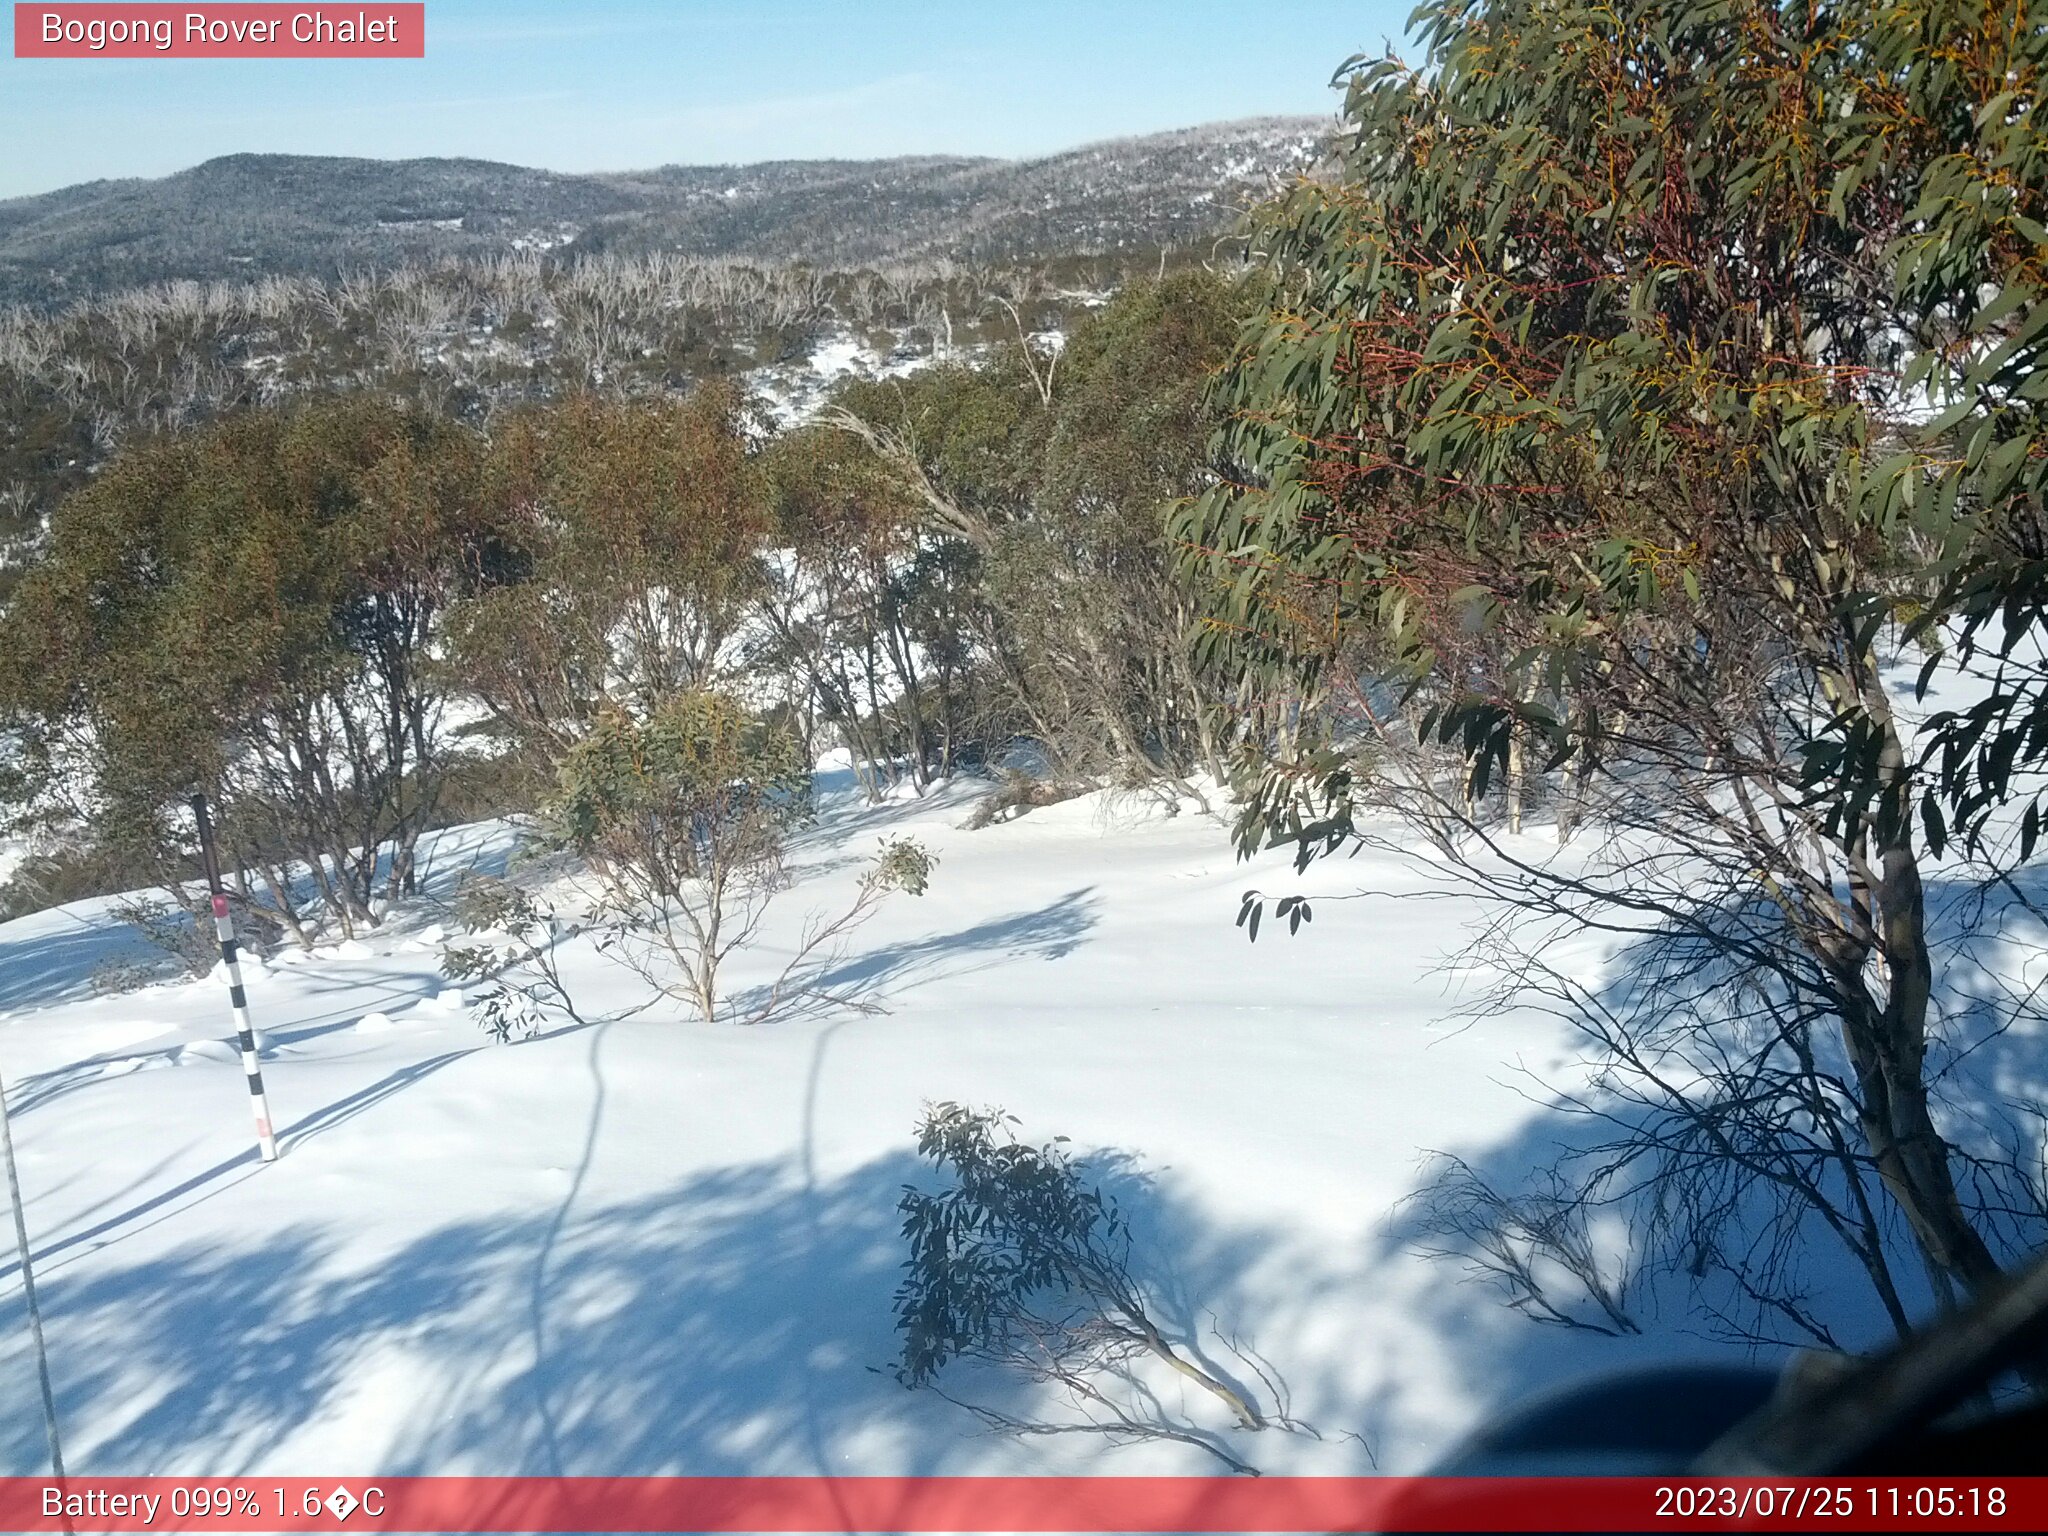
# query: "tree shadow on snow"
(163, 1204)
(51, 957)
(368, 991)
(737, 1323)
(1051, 932)
(1986, 1056)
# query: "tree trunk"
(1514, 784)
(1888, 1047)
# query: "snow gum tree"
(871, 614)
(631, 528)
(252, 610)
(1586, 406)
(1047, 474)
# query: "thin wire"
(28, 1290)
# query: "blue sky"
(621, 84)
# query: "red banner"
(965, 1504)
(234, 31)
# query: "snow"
(652, 1245)
(794, 392)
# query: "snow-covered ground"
(652, 1245)
(794, 391)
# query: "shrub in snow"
(1022, 1264)
(1018, 794)
(684, 816)
(513, 934)
(902, 865)
(189, 938)
(110, 978)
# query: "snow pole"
(28, 1291)
(238, 996)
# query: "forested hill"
(249, 215)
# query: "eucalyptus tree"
(629, 532)
(1588, 404)
(253, 610)
(1045, 477)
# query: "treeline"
(466, 339)
(351, 618)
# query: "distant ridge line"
(255, 213)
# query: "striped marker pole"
(238, 996)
